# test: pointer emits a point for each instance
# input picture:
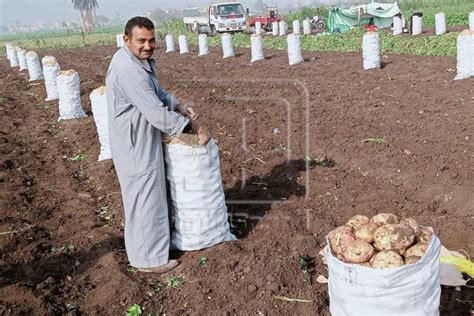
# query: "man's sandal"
(161, 269)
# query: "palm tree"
(87, 9)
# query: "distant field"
(457, 15)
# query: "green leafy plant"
(70, 307)
(202, 261)
(104, 213)
(134, 310)
(304, 266)
(174, 281)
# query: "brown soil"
(66, 250)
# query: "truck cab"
(227, 17)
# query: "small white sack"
(471, 21)
(306, 27)
(465, 55)
(258, 27)
(371, 50)
(119, 40)
(183, 44)
(99, 110)
(13, 57)
(50, 72)
(21, 54)
(417, 27)
(440, 20)
(8, 49)
(256, 41)
(69, 88)
(294, 49)
(275, 29)
(170, 46)
(227, 46)
(397, 25)
(296, 27)
(34, 66)
(409, 290)
(199, 209)
(203, 45)
(48, 58)
(283, 27)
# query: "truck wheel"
(320, 25)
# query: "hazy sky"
(30, 11)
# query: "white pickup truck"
(222, 17)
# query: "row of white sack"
(62, 85)
(371, 51)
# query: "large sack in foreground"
(199, 210)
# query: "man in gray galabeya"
(139, 110)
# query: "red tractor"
(266, 20)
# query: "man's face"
(142, 42)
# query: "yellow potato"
(359, 251)
(412, 223)
(393, 237)
(356, 221)
(366, 232)
(384, 218)
(340, 238)
(416, 250)
(412, 259)
(424, 236)
(386, 259)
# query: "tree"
(87, 9)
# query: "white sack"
(440, 20)
(306, 27)
(294, 49)
(199, 209)
(471, 21)
(34, 66)
(409, 290)
(21, 54)
(371, 50)
(417, 27)
(48, 58)
(13, 57)
(99, 110)
(203, 45)
(119, 40)
(397, 25)
(258, 27)
(275, 29)
(50, 72)
(227, 46)
(296, 27)
(465, 55)
(69, 88)
(257, 47)
(183, 44)
(170, 46)
(8, 49)
(283, 28)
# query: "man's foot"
(161, 269)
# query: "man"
(139, 110)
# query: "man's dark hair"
(139, 21)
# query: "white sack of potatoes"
(50, 72)
(257, 47)
(275, 29)
(34, 66)
(294, 49)
(465, 55)
(440, 20)
(12, 56)
(170, 46)
(99, 110)
(371, 50)
(69, 88)
(21, 54)
(227, 45)
(183, 44)
(203, 45)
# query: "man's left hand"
(186, 111)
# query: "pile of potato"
(382, 241)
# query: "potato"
(386, 259)
(393, 237)
(416, 250)
(366, 232)
(424, 236)
(358, 251)
(340, 238)
(412, 259)
(412, 223)
(384, 218)
(356, 221)
(402, 251)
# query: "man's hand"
(186, 111)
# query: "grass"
(174, 282)
(202, 261)
(67, 249)
(78, 157)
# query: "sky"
(31, 11)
